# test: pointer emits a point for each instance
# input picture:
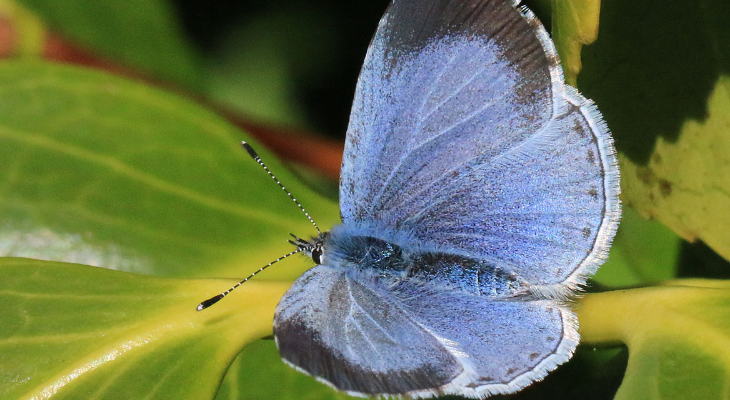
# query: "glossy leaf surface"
(72, 331)
(102, 171)
(678, 337)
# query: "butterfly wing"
(464, 135)
(368, 336)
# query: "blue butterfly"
(478, 193)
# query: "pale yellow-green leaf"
(686, 183)
(104, 171)
(574, 24)
(71, 331)
(678, 336)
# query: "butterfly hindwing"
(334, 328)
(370, 336)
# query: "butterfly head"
(313, 248)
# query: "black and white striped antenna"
(256, 158)
(207, 303)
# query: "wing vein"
(419, 128)
(488, 164)
(367, 314)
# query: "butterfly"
(478, 193)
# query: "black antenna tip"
(249, 149)
(202, 306)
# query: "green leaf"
(686, 183)
(574, 24)
(643, 252)
(259, 373)
(73, 331)
(98, 170)
(141, 33)
(660, 77)
(678, 337)
(256, 68)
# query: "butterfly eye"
(317, 256)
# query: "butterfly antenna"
(207, 303)
(256, 158)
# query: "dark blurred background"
(324, 43)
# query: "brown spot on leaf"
(645, 175)
(665, 187)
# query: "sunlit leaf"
(103, 171)
(78, 332)
(660, 76)
(678, 336)
(686, 184)
(99, 170)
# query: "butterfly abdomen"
(466, 274)
(381, 259)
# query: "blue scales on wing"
(464, 135)
(367, 333)
(477, 191)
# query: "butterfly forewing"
(463, 133)
(364, 336)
